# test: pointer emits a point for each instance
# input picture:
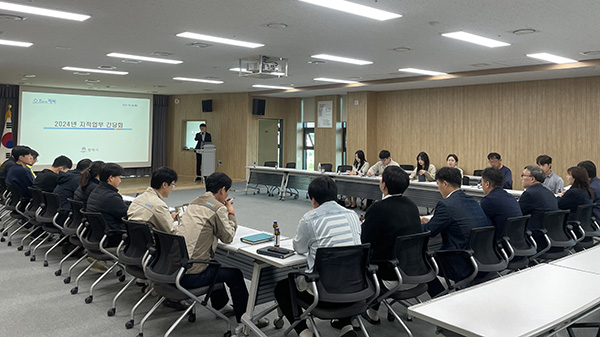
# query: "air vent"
(199, 44)
(524, 31)
(10, 17)
(90, 80)
(131, 61)
(107, 67)
(161, 53)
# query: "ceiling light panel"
(16, 43)
(476, 39)
(333, 80)
(341, 59)
(143, 58)
(42, 11)
(551, 58)
(91, 70)
(356, 9)
(422, 71)
(215, 39)
(197, 80)
(271, 87)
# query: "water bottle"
(276, 232)
(362, 217)
(319, 168)
(254, 164)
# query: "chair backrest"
(290, 165)
(482, 241)
(37, 201)
(95, 228)
(327, 167)
(170, 254)
(343, 168)
(139, 239)
(75, 216)
(15, 196)
(466, 180)
(516, 232)
(52, 204)
(584, 216)
(478, 173)
(343, 274)
(413, 258)
(271, 163)
(407, 167)
(554, 222)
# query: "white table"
(586, 260)
(534, 302)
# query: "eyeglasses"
(526, 175)
(173, 185)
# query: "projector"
(263, 67)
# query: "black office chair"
(557, 237)
(341, 275)
(48, 218)
(271, 163)
(327, 167)
(343, 168)
(16, 204)
(413, 265)
(521, 245)
(72, 228)
(166, 264)
(466, 180)
(588, 228)
(489, 256)
(290, 165)
(478, 173)
(28, 217)
(447, 260)
(407, 167)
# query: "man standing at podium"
(202, 137)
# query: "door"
(269, 141)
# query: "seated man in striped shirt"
(327, 225)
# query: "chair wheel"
(58, 272)
(2, 239)
(89, 299)
(27, 253)
(129, 324)
(390, 317)
(227, 334)
(140, 335)
(5, 234)
(32, 258)
(111, 312)
(74, 290)
(9, 243)
(45, 263)
(119, 273)
(67, 280)
(192, 318)
(278, 323)
(20, 248)
(121, 278)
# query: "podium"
(208, 152)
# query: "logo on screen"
(44, 101)
(83, 149)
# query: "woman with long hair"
(89, 180)
(424, 171)
(579, 193)
(359, 167)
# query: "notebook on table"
(257, 238)
(278, 252)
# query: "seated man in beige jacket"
(150, 206)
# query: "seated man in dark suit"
(6, 165)
(47, 179)
(68, 182)
(394, 216)
(454, 217)
(536, 200)
(105, 199)
(495, 160)
(19, 175)
(497, 204)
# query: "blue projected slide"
(112, 129)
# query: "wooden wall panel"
(519, 120)
(325, 138)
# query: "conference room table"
(537, 301)
(289, 181)
(263, 271)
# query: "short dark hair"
(589, 166)
(109, 170)
(162, 175)
(34, 153)
(494, 176)
(84, 164)
(453, 156)
(20, 150)
(494, 155)
(543, 159)
(395, 179)
(62, 161)
(216, 181)
(384, 154)
(451, 175)
(202, 125)
(536, 172)
(322, 189)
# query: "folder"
(278, 252)
(257, 238)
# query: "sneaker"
(263, 322)
(349, 333)
(175, 305)
(335, 323)
(99, 267)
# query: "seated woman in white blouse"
(359, 167)
(452, 161)
(424, 171)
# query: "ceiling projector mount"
(263, 67)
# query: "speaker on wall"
(207, 105)
(258, 106)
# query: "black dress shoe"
(369, 319)
(335, 323)
(177, 305)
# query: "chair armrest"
(124, 237)
(373, 268)
(444, 257)
(213, 280)
(575, 224)
(505, 246)
(113, 232)
(388, 263)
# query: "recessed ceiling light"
(143, 58)
(203, 37)
(9, 17)
(161, 53)
(92, 80)
(401, 49)
(199, 44)
(590, 53)
(271, 87)
(43, 11)
(240, 70)
(316, 62)
(476, 39)
(341, 59)
(107, 67)
(197, 80)
(16, 43)
(131, 61)
(80, 73)
(325, 79)
(353, 8)
(524, 31)
(277, 25)
(551, 58)
(90, 70)
(422, 71)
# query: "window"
(308, 146)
